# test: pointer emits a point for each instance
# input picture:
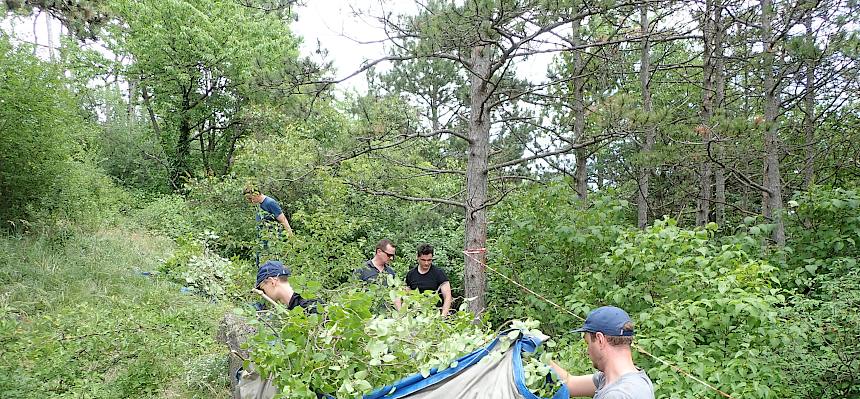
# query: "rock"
(233, 332)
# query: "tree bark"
(650, 130)
(809, 107)
(204, 149)
(703, 203)
(581, 172)
(475, 278)
(719, 102)
(152, 118)
(772, 180)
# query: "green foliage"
(78, 320)
(197, 266)
(822, 359)
(354, 351)
(194, 64)
(709, 308)
(38, 126)
(169, 215)
(128, 149)
(81, 17)
(47, 174)
(824, 225)
(548, 251)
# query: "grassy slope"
(78, 320)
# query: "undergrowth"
(78, 318)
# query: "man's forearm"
(446, 306)
(283, 220)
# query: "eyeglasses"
(390, 256)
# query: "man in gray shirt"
(608, 334)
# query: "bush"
(822, 359)
(40, 121)
(824, 231)
(708, 307)
(168, 214)
(47, 176)
(201, 270)
(347, 350)
(549, 252)
(821, 268)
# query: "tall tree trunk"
(772, 180)
(809, 107)
(650, 130)
(719, 102)
(434, 115)
(703, 203)
(49, 21)
(720, 192)
(581, 172)
(475, 278)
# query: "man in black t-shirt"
(427, 277)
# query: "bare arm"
(577, 385)
(446, 298)
(283, 220)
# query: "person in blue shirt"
(268, 209)
(268, 213)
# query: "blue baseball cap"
(272, 268)
(608, 320)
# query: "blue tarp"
(418, 385)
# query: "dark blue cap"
(608, 320)
(272, 268)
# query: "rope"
(634, 345)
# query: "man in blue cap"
(608, 334)
(273, 280)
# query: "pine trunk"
(475, 278)
(809, 114)
(650, 130)
(772, 180)
(581, 173)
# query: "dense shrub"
(708, 307)
(822, 359)
(199, 269)
(38, 126)
(169, 215)
(547, 251)
(357, 351)
(47, 175)
(824, 227)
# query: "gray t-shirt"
(630, 386)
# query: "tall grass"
(78, 319)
